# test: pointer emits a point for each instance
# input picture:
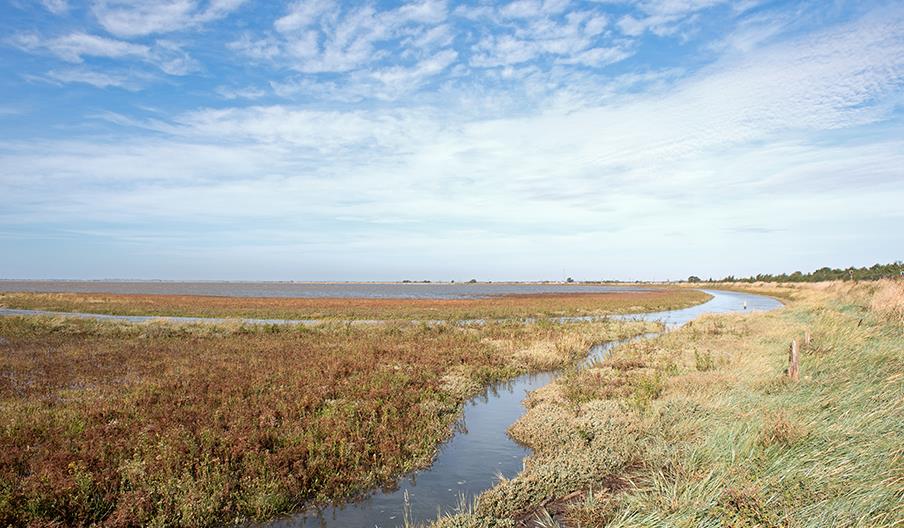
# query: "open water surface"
(370, 290)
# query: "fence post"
(807, 338)
(794, 361)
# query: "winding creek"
(480, 451)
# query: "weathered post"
(794, 361)
(807, 339)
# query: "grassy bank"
(701, 427)
(508, 306)
(121, 424)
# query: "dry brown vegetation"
(120, 424)
(508, 306)
(701, 426)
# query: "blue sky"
(312, 140)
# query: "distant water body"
(373, 290)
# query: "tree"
(569, 279)
(693, 278)
(874, 272)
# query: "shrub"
(704, 360)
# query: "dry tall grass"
(701, 427)
(888, 300)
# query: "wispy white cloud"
(302, 14)
(320, 37)
(402, 80)
(320, 40)
(11, 110)
(169, 56)
(261, 49)
(574, 40)
(248, 92)
(57, 7)
(664, 17)
(421, 11)
(357, 52)
(172, 58)
(429, 37)
(125, 18)
(533, 8)
(74, 47)
(752, 33)
(90, 77)
(598, 57)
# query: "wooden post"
(794, 361)
(807, 339)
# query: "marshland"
(117, 424)
(452, 264)
(122, 424)
(462, 303)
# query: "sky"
(524, 140)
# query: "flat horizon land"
(480, 305)
(400, 281)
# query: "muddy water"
(481, 449)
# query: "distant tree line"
(874, 272)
